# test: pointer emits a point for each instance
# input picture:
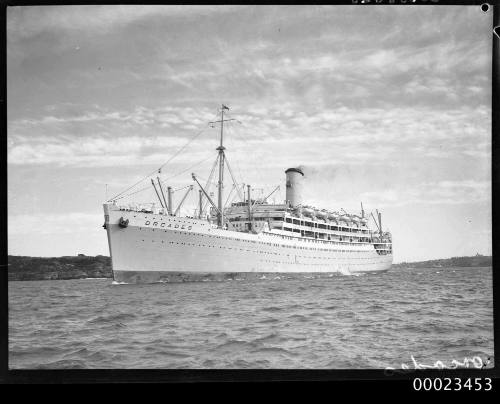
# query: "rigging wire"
(163, 165)
(209, 183)
(187, 169)
(180, 189)
(163, 181)
(258, 168)
(229, 195)
(133, 193)
(234, 196)
(234, 179)
(237, 163)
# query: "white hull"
(156, 247)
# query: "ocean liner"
(239, 240)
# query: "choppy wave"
(292, 321)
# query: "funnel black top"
(297, 170)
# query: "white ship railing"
(319, 241)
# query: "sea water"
(291, 321)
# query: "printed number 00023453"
(452, 384)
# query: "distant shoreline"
(22, 268)
(471, 262)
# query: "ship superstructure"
(248, 238)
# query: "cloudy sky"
(389, 105)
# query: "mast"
(221, 168)
(200, 201)
(157, 194)
(380, 222)
(249, 201)
(221, 157)
(162, 194)
(169, 193)
(375, 221)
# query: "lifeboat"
(308, 212)
(345, 219)
(321, 214)
(332, 216)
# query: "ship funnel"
(294, 179)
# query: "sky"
(385, 105)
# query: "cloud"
(390, 105)
(49, 224)
(100, 152)
(446, 192)
(365, 136)
(139, 116)
(23, 22)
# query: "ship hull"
(161, 248)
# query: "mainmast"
(221, 148)
(221, 168)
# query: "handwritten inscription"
(475, 362)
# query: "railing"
(318, 240)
